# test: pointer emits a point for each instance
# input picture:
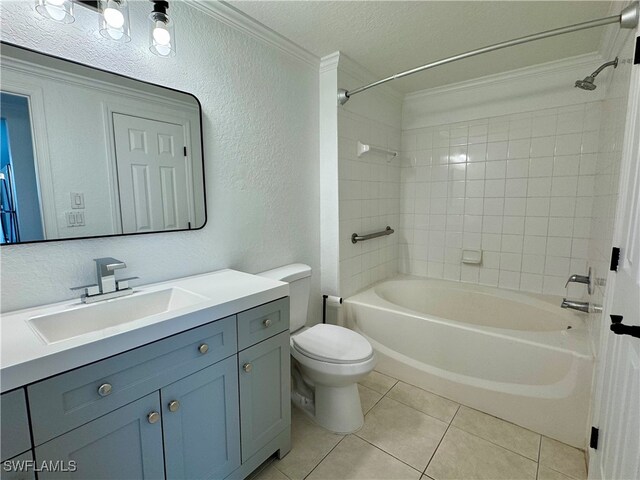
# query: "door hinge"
(185, 151)
(615, 258)
(593, 441)
(636, 55)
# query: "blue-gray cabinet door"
(265, 403)
(201, 423)
(124, 444)
(15, 437)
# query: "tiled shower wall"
(369, 198)
(518, 187)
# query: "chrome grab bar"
(355, 238)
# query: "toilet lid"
(333, 344)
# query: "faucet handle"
(110, 263)
(572, 278)
(89, 290)
(123, 284)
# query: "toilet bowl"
(328, 360)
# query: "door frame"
(630, 154)
(41, 156)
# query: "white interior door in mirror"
(154, 178)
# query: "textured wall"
(260, 110)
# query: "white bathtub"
(506, 353)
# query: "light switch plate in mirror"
(89, 153)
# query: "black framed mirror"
(88, 153)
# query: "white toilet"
(328, 360)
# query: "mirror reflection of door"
(20, 209)
(154, 181)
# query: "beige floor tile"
(310, 443)
(507, 435)
(545, 473)
(427, 402)
(269, 472)
(354, 458)
(402, 431)
(563, 458)
(368, 398)
(465, 456)
(379, 382)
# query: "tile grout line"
(322, 459)
(387, 453)
(424, 472)
(495, 444)
(538, 462)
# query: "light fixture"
(114, 23)
(162, 41)
(114, 20)
(57, 10)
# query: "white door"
(617, 414)
(154, 178)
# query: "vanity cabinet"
(193, 405)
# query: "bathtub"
(513, 355)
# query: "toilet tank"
(298, 276)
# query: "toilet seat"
(332, 344)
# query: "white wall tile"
(520, 187)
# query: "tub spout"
(581, 306)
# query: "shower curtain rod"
(628, 18)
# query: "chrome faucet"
(107, 286)
(585, 307)
(586, 279)
(106, 268)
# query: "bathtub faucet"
(586, 279)
(581, 306)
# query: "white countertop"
(26, 358)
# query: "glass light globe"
(161, 35)
(114, 17)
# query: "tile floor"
(410, 433)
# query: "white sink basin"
(67, 324)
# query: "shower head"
(587, 83)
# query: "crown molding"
(567, 64)
(330, 62)
(242, 22)
(353, 68)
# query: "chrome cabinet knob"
(267, 323)
(153, 417)
(204, 348)
(247, 367)
(105, 389)
(174, 405)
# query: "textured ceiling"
(388, 37)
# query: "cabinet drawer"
(71, 399)
(15, 424)
(262, 322)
